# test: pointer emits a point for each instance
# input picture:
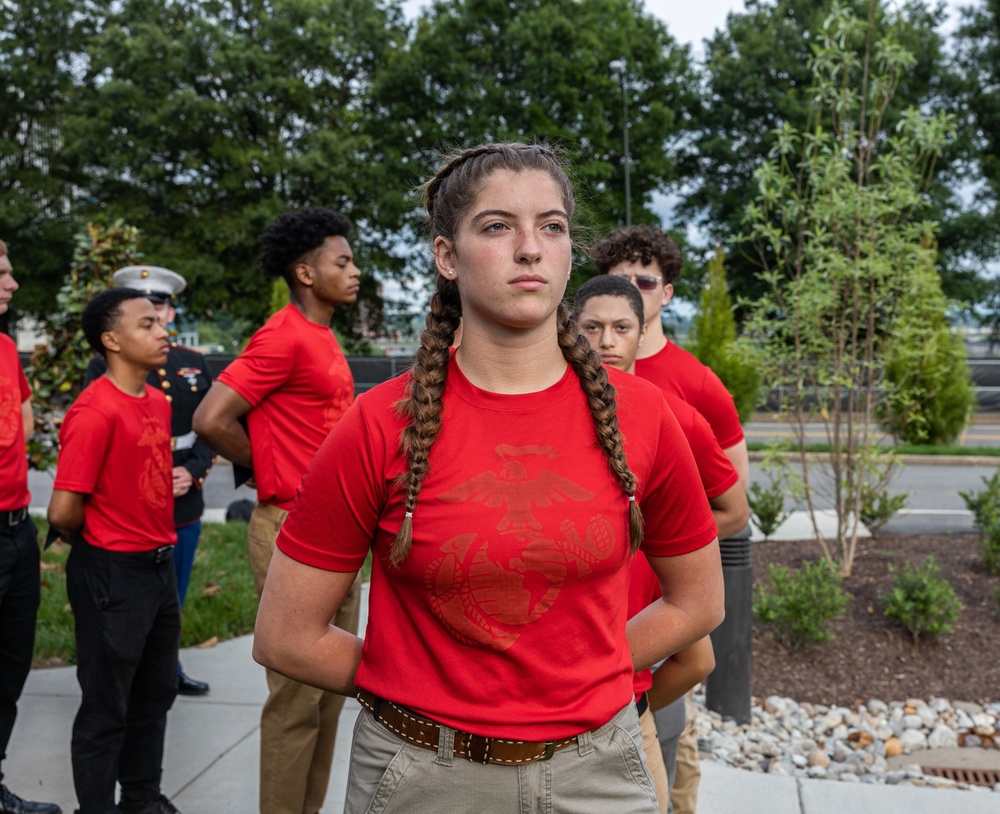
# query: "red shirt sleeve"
(675, 510)
(83, 445)
(261, 369)
(342, 492)
(717, 406)
(716, 470)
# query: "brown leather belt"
(424, 732)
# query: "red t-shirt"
(716, 470)
(676, 371)
(717, 475)
(507, 618)
(297, 379)
(14, 391)
(116, 448)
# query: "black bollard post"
(727, 688)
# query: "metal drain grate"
(975, 777)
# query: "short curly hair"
(294, 235)
(608, 286)
(103, 312)
(642, 243)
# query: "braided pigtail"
(422, 404)
(600, 395)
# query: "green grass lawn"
(54, 644)
(221, 602)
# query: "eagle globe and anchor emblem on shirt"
(155, 484)
(479, 599)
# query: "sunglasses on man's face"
(642, 281)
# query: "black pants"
(19, 598)
(127, 630)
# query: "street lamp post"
(620, 67)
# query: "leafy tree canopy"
(38, 41)
(488, 70)
(978, 51)
(202, 120)
(835, 224)
(758, 79)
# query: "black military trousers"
(127, 631)
(19, 598)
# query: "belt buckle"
(163, 553)
(16, 516)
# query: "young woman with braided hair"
(502, 496)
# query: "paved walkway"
(213, 746)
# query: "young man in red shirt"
(20, 590)
(650, 259)
(113, 500)
(291, 384)
(609, 313)
(184, 380)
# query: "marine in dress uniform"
(184, 379)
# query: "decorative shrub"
(57, 368)
(878, 508)
(928, 384)
(714, 340)
(767, 505)
(800, 604)
(922, 600)
(985, 507)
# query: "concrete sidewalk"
(213, 752)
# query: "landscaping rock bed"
(844, 708)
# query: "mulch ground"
(872, 656)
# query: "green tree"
(714, 339)
(37, 43)
(977, 50)
(757, 79)
(481, 70)
(928, 384)
(258, 108)
(834, 229)
(56, 370)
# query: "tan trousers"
(298, 725)
(684, 794)
(654, 759)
